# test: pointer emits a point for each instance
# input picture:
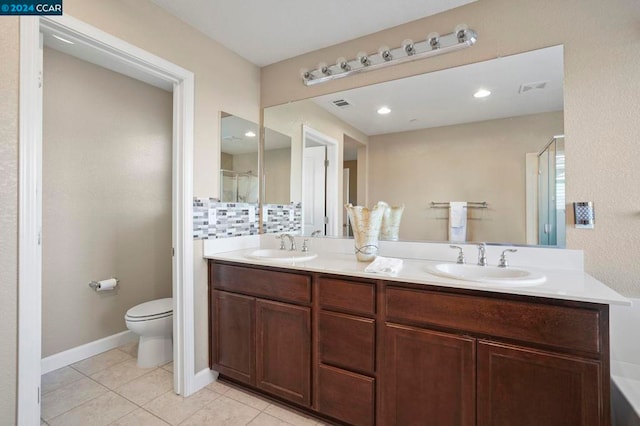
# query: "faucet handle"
(281, 238)
(461, 259)
(305, 246)
(503, 258)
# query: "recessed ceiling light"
(482, 93)
(250, 134)
(62, 39)
(384, 110)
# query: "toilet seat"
(155, 309)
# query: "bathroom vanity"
(366, 349)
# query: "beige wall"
(106, 199)
(602, 57)
(277, 169)
(483, 161)
(9, 69)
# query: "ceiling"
(269, 31)
(444, 98)
(235, 140)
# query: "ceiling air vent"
(532, 87)
(341, 103)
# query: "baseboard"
(203, 378)
(68, 357)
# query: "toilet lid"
(152, 308)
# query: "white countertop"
(565, 284)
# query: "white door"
(313, 195)
(345, 200)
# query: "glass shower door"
(551, 194)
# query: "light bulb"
(342, 63)
(408, 47)
(385, 53)
(324, 69)
(461, 32)
(363, 58)
(481, 93)
(306, 74)
(384, 110)
(250, 134)
(434, 40)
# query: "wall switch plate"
(584, 214)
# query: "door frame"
(30, 200)
(334, 227)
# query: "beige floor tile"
(289, 416)
(223, 411)
(130, 348)
(173, 408)
(168, 367)
(264, 419)
(99, 362)
(218, 387)
(100, 411)
(139, 417)
(43, 423)
(70, 396)
(119, 374)
(59, 378)
(247, 399)
(147, 387)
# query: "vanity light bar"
(461, 38)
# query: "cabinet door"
(233, 333)
(429, 378)
(519, 386)
(284, 350)
(345, 395)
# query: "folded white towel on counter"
(385, 265)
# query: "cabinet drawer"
(347, 341)
(283, 286)
(568, 328)
(350, 296)
(345, 396)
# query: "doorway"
(109, 52)
(320, 182)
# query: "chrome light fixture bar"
(434, 45)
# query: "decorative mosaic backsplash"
(213, 219)
(282, 218)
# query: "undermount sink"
(283, 256)
(502, 277)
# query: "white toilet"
(153, 322)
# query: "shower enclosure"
(551, 194)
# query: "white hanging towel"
(458, 221)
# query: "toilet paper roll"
(109, 284)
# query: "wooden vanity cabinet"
(458, 358)
(373, 352)
(259, 341)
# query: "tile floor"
(109, 389)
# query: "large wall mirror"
(239, 148)
(436, 143)
(277, 167)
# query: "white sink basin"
(501, 277)
(283, 256)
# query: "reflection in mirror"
(238, 160)
(440, 144)
(277, 167)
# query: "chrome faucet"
(503, 258)
(461, 259)
(292, 241)
(316, 233)
(482, 254)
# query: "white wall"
(107, 142)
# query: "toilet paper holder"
(97, 285)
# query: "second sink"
(505, 277)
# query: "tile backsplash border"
(213, 219)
